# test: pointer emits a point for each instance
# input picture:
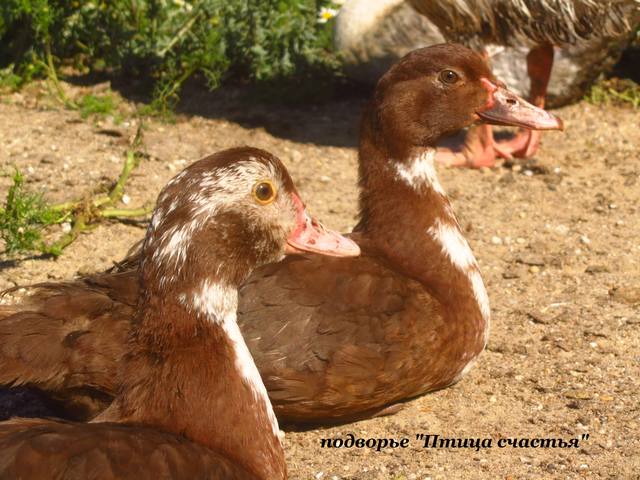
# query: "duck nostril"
(512, 101)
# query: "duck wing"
(337, 339)
(68, 338)
(64, 450)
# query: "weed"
(615, 91)
(101, 105)
(23, 217)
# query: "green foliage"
(23, 217)
(615, 91)
(96, 105)
(167, 41)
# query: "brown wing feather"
(68, 339)
(42, 449)
(354, 342)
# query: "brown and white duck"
(540, 24)
(191, 403)
(334, 339)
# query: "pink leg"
(539, 62)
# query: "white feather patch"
(480, 293)
(219, 303)
(454, 245)
(420, 172)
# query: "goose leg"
(479, 150)
(539, 62)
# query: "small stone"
(520, 241)
(612, 206)
(496, 240)
(585, 240)
(325, 179)
(126, 199)
(629, 295)
(66, 227)
(528, 173)
(534, 269)
(593, 269)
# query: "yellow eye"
(448, 76)
(264, 192)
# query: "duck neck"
(408, 218)
(190, 372)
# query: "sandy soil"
(558, 241)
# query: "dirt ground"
(557, 239)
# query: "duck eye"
(264, 192)
(448, 76)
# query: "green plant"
(96, 105)
(166, 41)
(25, 215)
(615, 90)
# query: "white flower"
(326, 14)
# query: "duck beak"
(506, 108)
(310, 235)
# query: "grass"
(102, 105)
(615, 91)
(23, 217)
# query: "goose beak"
(506, 108)
(309, 235)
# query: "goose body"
(334, 339)
(190, 402)
(529, 22)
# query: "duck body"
(190, 402)
(338, 339)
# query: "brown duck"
(191, 403)
(334, 339)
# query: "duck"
(334, 339)
(538, 24)
(191, 403)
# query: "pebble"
(126, 199)
(66, 227)
(325, 179)
(496, 240)
(585, 240)
(528, 173)
(520, 241)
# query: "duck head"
(436, 91)
(226, 214)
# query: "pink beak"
(311, 236)
(506, 108)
